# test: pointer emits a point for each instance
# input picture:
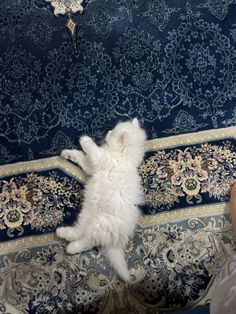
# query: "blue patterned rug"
(172, 65)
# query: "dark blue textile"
(171, 64)
(197, 310)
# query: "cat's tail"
(117, 259)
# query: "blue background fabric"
(171, 64)
(202, 310)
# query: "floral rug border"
(154, 144)
(190, 138)
(144, 221)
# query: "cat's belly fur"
(113, 201)
(113, 191)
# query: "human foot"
(232, 205)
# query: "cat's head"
(126, 135)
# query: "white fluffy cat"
(112, 194)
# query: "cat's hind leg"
(69, 233)
(82, 245)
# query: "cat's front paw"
(85, 139)
(61, 232)
(66, 154)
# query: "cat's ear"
(123, 138)
(135, 122)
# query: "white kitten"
(112, 194)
